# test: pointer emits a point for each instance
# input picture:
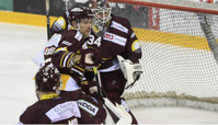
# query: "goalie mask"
(102, 14)
(47, 79)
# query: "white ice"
(20, 42)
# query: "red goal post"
(184, 5)
(178, 60)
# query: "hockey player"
(73, 107)
(64, 22)
(120, 50)
(62, 49)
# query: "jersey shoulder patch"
(78, 36)
(61, 23)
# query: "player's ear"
(74, 24)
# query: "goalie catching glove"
(131, 71)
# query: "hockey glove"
(91, 89)
(131, 71)
(89, 57)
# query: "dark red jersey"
(119, 39)
(65, 109)
(71, 41)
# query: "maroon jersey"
(118, 40)
(64, 109)
(70, 42)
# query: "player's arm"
(65, 54)
(133, 48)
(129, 61)
(61, 24)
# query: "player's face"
(102, 15)
(85, 27)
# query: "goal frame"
(182, 5)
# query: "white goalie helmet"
(102, 13)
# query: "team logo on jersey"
(61, 23)
(88, 107)
(49, 50)
(115, 38)
(66, 43)
(135, 45)
(108, 36)
(78, 36)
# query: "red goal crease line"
(182, 5)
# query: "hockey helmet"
(78, 13)
(47, 79)
(102, 12)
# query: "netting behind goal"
(179, 66)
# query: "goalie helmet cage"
(179, 66)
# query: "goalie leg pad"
(123, 116)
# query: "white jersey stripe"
(66, 59)
(75, 70)
(119, 27)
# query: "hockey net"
(179, 66)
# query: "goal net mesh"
(178, 64)
(179, 67)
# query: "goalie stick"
(47, 7)
(117, 112)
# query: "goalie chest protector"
(116, 41)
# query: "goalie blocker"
(131, 71)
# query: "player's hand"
(89, 57)
(89, 87)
